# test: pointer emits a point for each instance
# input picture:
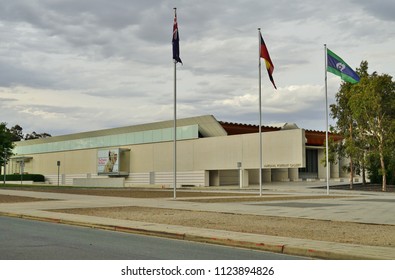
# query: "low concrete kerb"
(299, 247)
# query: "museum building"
(209, 153)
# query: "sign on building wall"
(108, 161)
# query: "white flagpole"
(326, 121)
(175, 133)
(175, 128)
(260, 113)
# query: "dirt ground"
(344, 232)
(13, 199)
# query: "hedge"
(25, 177)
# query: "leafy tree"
(373, 107)
(17, 133)
(353, 144)
(35, 135)
(365, 114)
(6, 143)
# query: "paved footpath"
(363, 207)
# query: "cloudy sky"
(70, 65)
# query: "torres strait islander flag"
(176, 41)
(339, 67)
(264, 53)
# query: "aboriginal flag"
(264, 53)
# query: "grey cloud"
(381, 9)
(6, 100)
(80, 23)
(50, 14)
(121, 50)
(14, 74)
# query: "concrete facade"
(206, 155)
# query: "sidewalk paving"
(362, 207)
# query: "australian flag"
(176, 41)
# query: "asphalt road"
(33, 240)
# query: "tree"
(373, 108)
(365, 114)
(35, 135)
(6, 143)
(17, 133)
(353, 144)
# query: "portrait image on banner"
(108, 161)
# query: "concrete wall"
(99, 182)
(202, 161)
(71, 162)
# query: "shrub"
(25, 177)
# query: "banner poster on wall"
(108, 161)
